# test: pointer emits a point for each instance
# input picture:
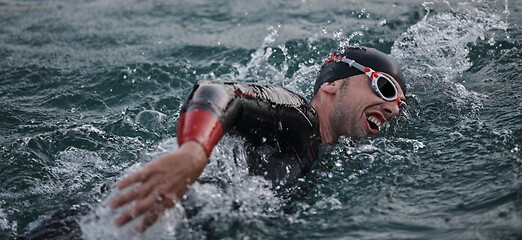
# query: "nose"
(391, 108)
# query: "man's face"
(358, 111)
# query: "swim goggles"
(381, 85)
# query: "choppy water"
(90, 91)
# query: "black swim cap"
(367, 57)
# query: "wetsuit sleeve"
(200, 116)
(213, 108)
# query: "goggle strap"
(350, 62)
(399, 102)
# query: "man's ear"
(331, 87)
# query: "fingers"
(163, 202)
(134, 178)
(157, 186)
(151, 217)
(134, 194)
(153, 206)
(125, 218)
(137, 210)
(124, 198)
(169, 201)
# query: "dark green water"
(90, 91)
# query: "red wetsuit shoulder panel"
(200, 126)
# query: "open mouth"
(374, 123)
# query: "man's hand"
(162, 182)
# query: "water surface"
(91, 90)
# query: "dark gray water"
(90, 91)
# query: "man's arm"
(165, 180)
(211, 110)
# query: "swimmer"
(357, 90)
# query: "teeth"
(375, 121)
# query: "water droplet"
(338, 33)
(365, 158)
(323, 31)
(491, 41)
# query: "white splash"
(434, 52)
(5, 224)
(99, 222)
(261, 70)
(244, 198)
(437, 46)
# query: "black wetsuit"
(280, 127)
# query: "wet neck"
(323, 115)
